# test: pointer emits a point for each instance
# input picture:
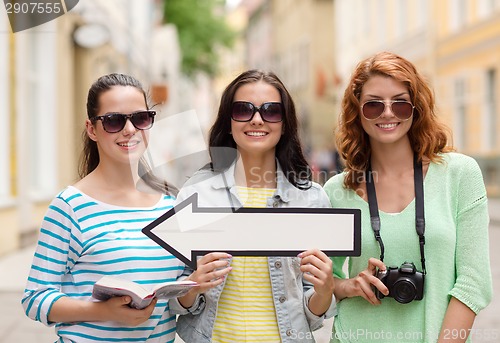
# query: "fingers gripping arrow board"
(188, 231)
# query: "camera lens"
(404, 291)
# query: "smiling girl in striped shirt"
(93, 228)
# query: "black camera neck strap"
(418, 176)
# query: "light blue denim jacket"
(291, 293)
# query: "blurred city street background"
(185, 52)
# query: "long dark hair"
(89, 159)
(288, 150)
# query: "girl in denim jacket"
(257, 161)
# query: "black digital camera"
(405, 283)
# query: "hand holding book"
(108, 287)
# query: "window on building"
(366, 17)
(402, 18)
(494, 5)
(422, 14)
(490, 108)
(381, 26)
(460, 119)
(487, 8)
(459, 10)
(40, 112)
(5, 132)
(303, 63)
(352, 30)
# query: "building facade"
(295, 39)
(45, 73)
(467, 58)
(455, 44)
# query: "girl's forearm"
(188, 300)
(67, 310)
(318, 305)
(457, 322)
(340, 288)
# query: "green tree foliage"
(201, 29)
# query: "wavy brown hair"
(428, 137)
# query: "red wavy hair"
(428, 137)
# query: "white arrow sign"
(187, 231)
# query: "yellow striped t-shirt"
(246, 309)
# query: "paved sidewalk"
(16, 327)
(494, 211)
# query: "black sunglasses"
(271, 112)
(373, 109)
(115, 122)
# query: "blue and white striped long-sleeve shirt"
(82, 239)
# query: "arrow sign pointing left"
(188, 231)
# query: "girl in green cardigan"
(435, 276)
